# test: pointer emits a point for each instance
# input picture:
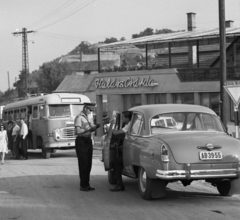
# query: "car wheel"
(150, 188)
(224, 187)
(111, 178)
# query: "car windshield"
(185, 121)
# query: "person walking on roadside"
(3, 142)
(23, 139)
(16, 139)
(10, 139)
(84, 147)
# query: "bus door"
(39, 125)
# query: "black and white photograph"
(119, 109)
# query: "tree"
(163, 31)
(110, 40)
(146, 32)
(51, 75)
(149, 31)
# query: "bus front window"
(76, 109)
(59, 110)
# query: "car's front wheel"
(150, 188)
(224, 187)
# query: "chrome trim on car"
(195, 174)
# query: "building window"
(131, 101)
(183, 98)
(136, 100)
(211, 100)
(157, 98)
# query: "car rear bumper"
(197, 174)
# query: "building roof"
(174, 37)
(76, 83)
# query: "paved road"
(40, 189)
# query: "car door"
(132, 145)
(111, 141)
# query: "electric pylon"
(25, 61)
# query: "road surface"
(42, 189)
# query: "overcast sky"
(61, 25)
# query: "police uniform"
(84, 150)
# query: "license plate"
(210, 155)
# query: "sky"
(61, 25)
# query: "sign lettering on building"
(125, 83)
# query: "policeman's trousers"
(84, 150)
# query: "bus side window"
(10, 115)
(35, 112)
(42, 111)
(16, 114)
(5, 116)
(23, 113)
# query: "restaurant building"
(190, 77)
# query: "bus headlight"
(57, 134)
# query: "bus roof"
(55, 98)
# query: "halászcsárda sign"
(126, 83)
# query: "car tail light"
(165, 153)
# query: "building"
(195, 78)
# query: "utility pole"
(25, 62)
(223, 66)
(8, 82)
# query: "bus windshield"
(59, 110)
(64, 110)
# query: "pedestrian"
(16, 140)
(23, 139)
(3, 142)
(29, 136)
(118, 161)
(10, 139)
(84, 147)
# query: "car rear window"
(185, 121)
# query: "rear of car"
(199, 149)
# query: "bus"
(52, 119)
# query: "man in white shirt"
(23, 138)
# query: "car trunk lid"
(186, 146)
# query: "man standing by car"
(118, 162)
(23, 138)
(84, 147)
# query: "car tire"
(111, 178)
(150, 188)
(224, 188)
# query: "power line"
(62, 7)
(70, 37)
(74, 12)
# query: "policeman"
(84, 147)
